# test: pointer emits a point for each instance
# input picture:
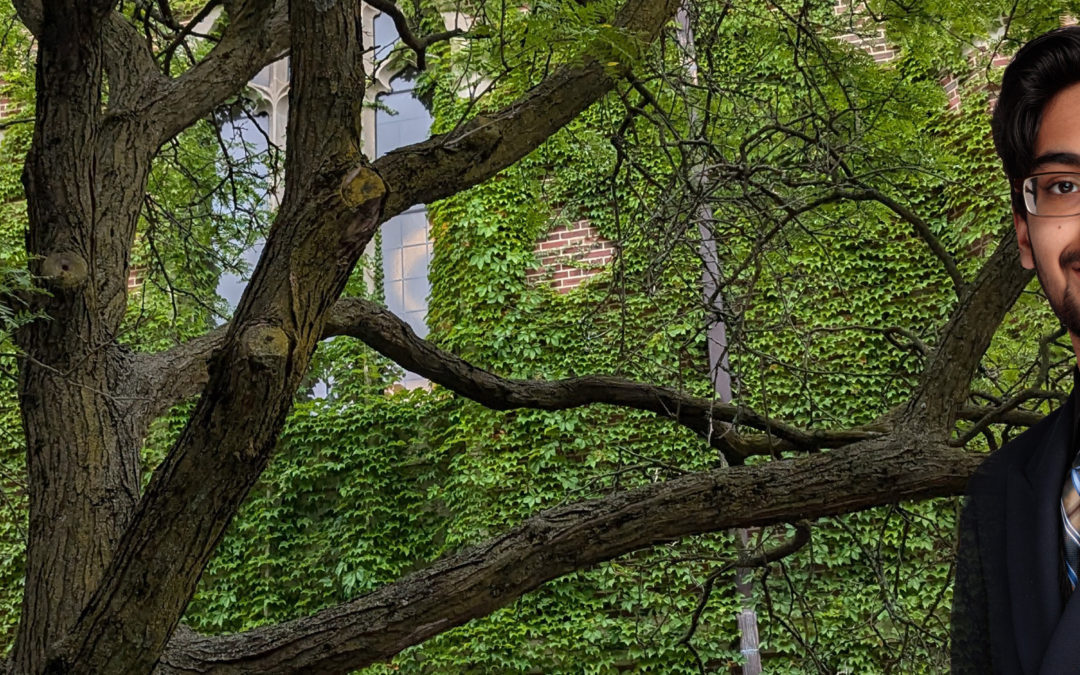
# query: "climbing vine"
(829, 305)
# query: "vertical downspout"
(719, 371)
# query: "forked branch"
(419, 45)
(184, 368)
(387, 334)
(922, 228)
(951, 366)
(255, 37)
(762, 559)
(449, 163)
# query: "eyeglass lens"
(1052, 194)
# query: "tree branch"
(1014, 417)
(475, 582)
(133, 73)
(947, 376)
(387, 334)
(448, 163)
(164, 379)
(999, 413)
(762, 559)
(158, 381)
(255, 37)
(922, 228)
(401, 23)
(166, 54)
(30, 13)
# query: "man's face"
(1052, 245)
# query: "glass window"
(406, 241)
(245, 136)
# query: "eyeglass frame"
(1024, 193)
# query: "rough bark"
(258, 34)
(167, 378)
(82, 179)
(419, 173)
(110, 573)
(331, 207)
(381, 330)
(948, 372)
(480, 580)
(328, 214)
(449, 163)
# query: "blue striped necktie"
(1070, 521)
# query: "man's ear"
(1024, 241)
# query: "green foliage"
(342, 510)
(16, 288)
(372, 482)
(209, 202)
(430, 473)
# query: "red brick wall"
(569, 255)
(8, 107)
(136, 276)
(951, 85)
(864, 33)
(871, 38)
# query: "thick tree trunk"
(110, 573)
(84, 182)
(329, 213)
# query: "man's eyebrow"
(1070, 158)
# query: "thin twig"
(801, 537)
(993, 414)
(167, 53)
(401, 23)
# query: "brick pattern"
(8, 108)
(870, 39)
(136, 277)
(569, 255)
(996, 61)
(951, 84)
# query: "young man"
(1014, 607)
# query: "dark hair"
(1042, 68)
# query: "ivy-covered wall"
(371, 482)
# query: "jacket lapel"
(1032, 532)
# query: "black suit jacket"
(1008, 614)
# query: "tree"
(111, 566)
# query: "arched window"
(401, 120)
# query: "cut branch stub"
(361, 185)
(265, 345)
(64, 269)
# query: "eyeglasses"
(1052, 195)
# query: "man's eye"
(1062, 187)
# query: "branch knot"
(265, 344)
(360, 186)
(64, 269)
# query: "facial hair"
(1067, 307)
